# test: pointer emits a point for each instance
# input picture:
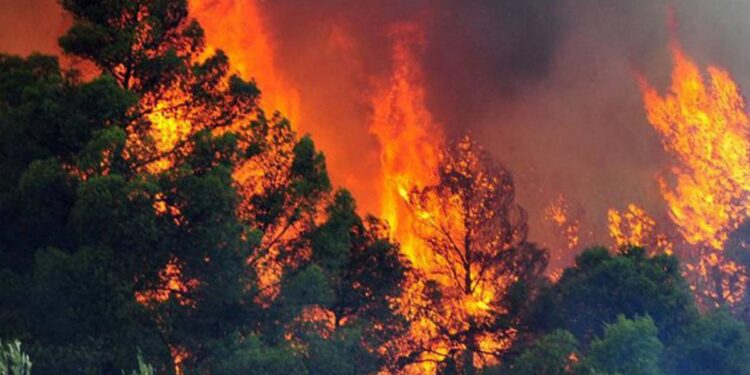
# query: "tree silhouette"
(482, 264)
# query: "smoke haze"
(547, 86)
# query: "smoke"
(337, 51)
(474, 51)
(478, 51)
(582, 130)
(30, 26)
(547, 86)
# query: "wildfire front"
(441, 188)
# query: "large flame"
(411, 146)
(705, 127)
(704, 124)
(237, 28)
(410, 140)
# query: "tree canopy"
(483, 268)
(156, 220)
(156, 209)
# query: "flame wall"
(546, 86)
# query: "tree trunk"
(470, 346)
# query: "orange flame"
(704, 125)
(558, 213)
(410, 141)
(635, 227)
(179, 356)
(173, 285)
(237, 28)
(717, 280)
(411, 144)
(167, 130)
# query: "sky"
(548, 87)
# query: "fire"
(167, 130)
(717, 280)
(409, 138)
(178, 357)
(172, 286)
(635, 227)
(237, 28)
(412, 146)
(704, 126)
(410, 142)
(558, 213)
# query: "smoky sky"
(547, 86)
(486, 49)
(473, 50)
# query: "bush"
(13, 361)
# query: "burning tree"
(155, 51)
(483, 268)
(703, 123)
(635, 228)
(158, 190)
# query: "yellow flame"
(635, 227)
(558, 213)
(410, 140)
(238, 28)
(704, 124)
(705, 127)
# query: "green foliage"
(50, 114)
(252, 356)
(13, 361)
(551, 355)
(103, 145)
(737, 248)
(91, 323)
(88, 226)
(602, 286)
(47, 120)
(143, 44)
(352, 275)
(628, 347)
(714, 344)
(340, 354)
(362, 265)
(89, 357)
(305, 287)
(143, 368)
(308, 170)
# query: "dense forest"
(226, 249)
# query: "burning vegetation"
(704, 125)
(167, 209)
(474, 242)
